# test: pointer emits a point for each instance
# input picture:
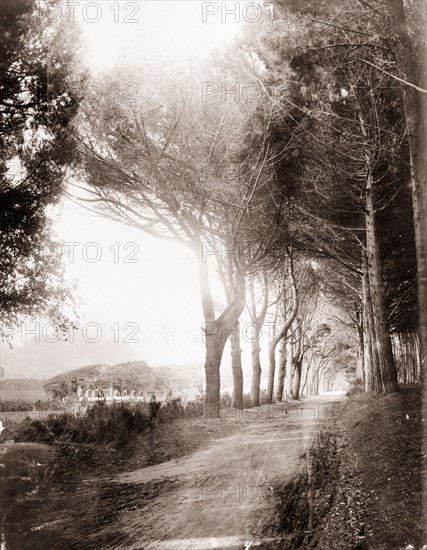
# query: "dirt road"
(219, 497)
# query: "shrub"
(49, 405)
(16, 405)
(171, 410)
(34, 430)
(247, 400)
(116, 423)
(195, 408)
(154, 407)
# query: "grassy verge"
(360, 486)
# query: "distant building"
(111, 394)
(99, 393)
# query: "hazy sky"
(136, 291)
(174, 29)
(150, 284)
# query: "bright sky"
(176, 30)
(158, 292)
(126, 277)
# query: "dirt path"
(224, 493)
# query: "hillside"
(135, 375)
(42, 359)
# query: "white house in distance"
(111, 394)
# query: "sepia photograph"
(213, 275)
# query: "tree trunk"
(283, 358)
(382, 341)
(258, 321)
(308, 363)
(236, 365)
(360, 369)
(271, 361)
(290, 368)
(297, 360)
(233, 281)
(282, 369)
(297, 380)
(256, 372)
(372, 370)
(216, 332)
(215, 344)
(281, 333)
(315, 385)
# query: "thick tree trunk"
(382, 341)
(215, 344)
(360, 369)
(306, 371)
(216, 331)
(297, 380)
(372, 370)
(233, 280)
(236, 365)
(282, 354)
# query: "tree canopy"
(38, 102)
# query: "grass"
(360, 486)
(386, 437)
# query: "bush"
(34, 430)
(16, 405)
(195, 408)
(23, 405)
(117, 423)
(102, 423)
(49, 405)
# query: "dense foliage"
(115, 423)
(37, 106)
